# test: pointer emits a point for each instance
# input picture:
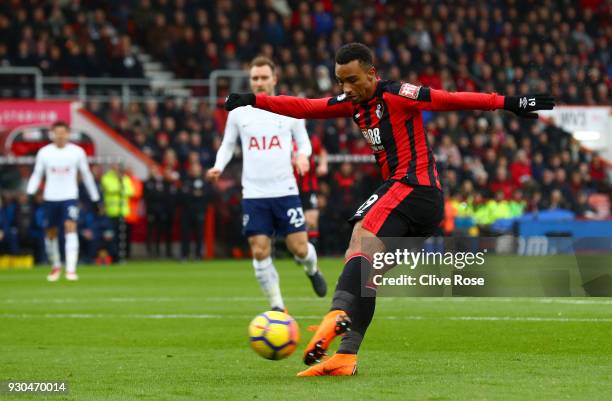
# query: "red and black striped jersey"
(391, 122)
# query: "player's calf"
(53, 253)
(72, 252)
(309, 262)
(267, 277)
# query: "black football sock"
(348, 297)
(350, 343)
(361, 319)
(348, 289)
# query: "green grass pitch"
(169, 331)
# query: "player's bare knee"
(260, 250)
(363, 241)
(352, 249)
(260, 253)
(51, 233)
(300, 249)
(355, 242)
(260, 246)
(70, 226)
(297, 244)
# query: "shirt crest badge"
(410, 91)
(379, 110)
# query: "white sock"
(53, 252)
(310, 261)
(72, 252)
(266, 275)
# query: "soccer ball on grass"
(274, 335)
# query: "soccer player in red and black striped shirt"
(408, 203)
(309, 188)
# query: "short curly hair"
(355, 51)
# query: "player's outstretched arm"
(37, 174)
(226, 150)
(304, 148)
(424, 98)
(88, 178)
(291, 106)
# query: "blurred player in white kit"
(59, 163)
(271, 203)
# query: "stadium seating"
(508, 47)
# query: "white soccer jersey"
(267, 146)
(59, 166)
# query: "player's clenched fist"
(525, 105)
(302, 164)
(238, 100)
(213, 174)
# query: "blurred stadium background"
(142, 83)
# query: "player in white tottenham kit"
(271, 203)
(58, 162)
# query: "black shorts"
(397, 209)
(309, 200)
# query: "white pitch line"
(107, 316)
(144, 299)
(533, 319)
(90, 300)
(569, 301)
(217, 316)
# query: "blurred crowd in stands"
(510, 46)
(492, 164)
(65, 38)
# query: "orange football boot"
(335, 323)
(337, 365)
